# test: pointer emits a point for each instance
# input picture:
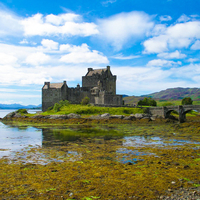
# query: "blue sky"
(151, 45)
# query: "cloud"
(65, 24)
(106, 3)
(81, 54)
(49, 44)
(183, 18)
(192, 60)
(122, 57)
(177, 55)
(10, 24)
(165, 18)
(125, 27)
(162, 63)
(37, 58)
(7, 59)
(196, 45)
(179, 35)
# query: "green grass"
(174, 102)
(94, 110)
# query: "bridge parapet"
(165, 111)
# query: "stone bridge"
(181, 110)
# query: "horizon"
(150, 46)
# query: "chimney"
(90, 69)
(65, 82)
(108, 68)
(48, 84)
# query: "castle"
(98, 84)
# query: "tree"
(187, 101)
(147, 102)
(85, 101)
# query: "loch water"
(16, 141)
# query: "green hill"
(170, 94)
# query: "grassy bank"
(93, 110)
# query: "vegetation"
(147, 102)
(85, 101)
(187, 101)
(22, 111)
(167, 104)
(90, 110)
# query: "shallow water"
(33, 145)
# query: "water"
(4, 112)
(32, 144)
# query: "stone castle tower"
(98, 84)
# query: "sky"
(151, 45)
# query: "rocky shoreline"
(106, 116)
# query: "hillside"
(168, 94)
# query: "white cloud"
(7, 59)
(165, 18)
(62, 19)
(183, 18)
(10, 24)
(37, 58)
(177, 55)
(122, 57)
(24, 41)
(49, 44)
(192, 60)
(162, 63)
(196, 45)
(81, 54)
(66, 25)
(180, 35)
(125, 27)
(156, 44)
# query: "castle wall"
(50, 97)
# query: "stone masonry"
(98, 84)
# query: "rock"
(9, 115)
(74, 116)
(105, 116)
(139, 115)
(58, 117)
(116, 116)
(95, 117)
(37, 117)
(131, 117)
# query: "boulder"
(37, 117)
(131, 117)
(9, 115)
(74, 116)
(116, 116)
(105, 116)
(58, 117)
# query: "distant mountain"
(19, 106)
(168, 94)
(176, 94)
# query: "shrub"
(168, 104)
(85, 101)
(49, 108)
(147, 102)
(187, 101)
(56, 107)
(22, 111)
(64, 103)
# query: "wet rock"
(116, 116)
(139, 115)
(37, 117)
(95, 117)
(58, 117)
(131, 117)
(74, 116)
(105, 116)
(9, 115)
